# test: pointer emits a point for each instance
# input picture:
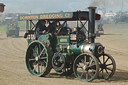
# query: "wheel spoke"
(106, 60)
(39, 48)
(41, 66)
(102, 72)
(34, 62)
(35, 52)
(33, 59)
(33, 55)
(109, 64)
(35, 67)
(99, 61)
(106, 71)
(109, 69)
(82, 74)
(90, 62)
(90, 67)
(45, 62)
(44, 54)
(43, 58)
(41, 52)
(90, 74)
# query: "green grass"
(3, 29)
(22, 25)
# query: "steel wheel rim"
(36, 59)
(107, 66)
(89, 69)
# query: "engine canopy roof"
(60, 16)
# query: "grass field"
(22, 25)
(3, 29)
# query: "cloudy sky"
(41, 6)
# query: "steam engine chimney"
(91, 25)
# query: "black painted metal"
(91, 25)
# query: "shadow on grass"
(119, 76)
(107, 35)
(55, 75)
(112, 34)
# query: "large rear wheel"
(38, 59)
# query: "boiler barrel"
(79, 49)
(95, 48)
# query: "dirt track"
(13, 70)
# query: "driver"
(40, 28)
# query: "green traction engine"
(67, 50)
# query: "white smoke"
(97, 3)
(110, 4)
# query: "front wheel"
(86, 67)
(107, 66)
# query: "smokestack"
(91, 25)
